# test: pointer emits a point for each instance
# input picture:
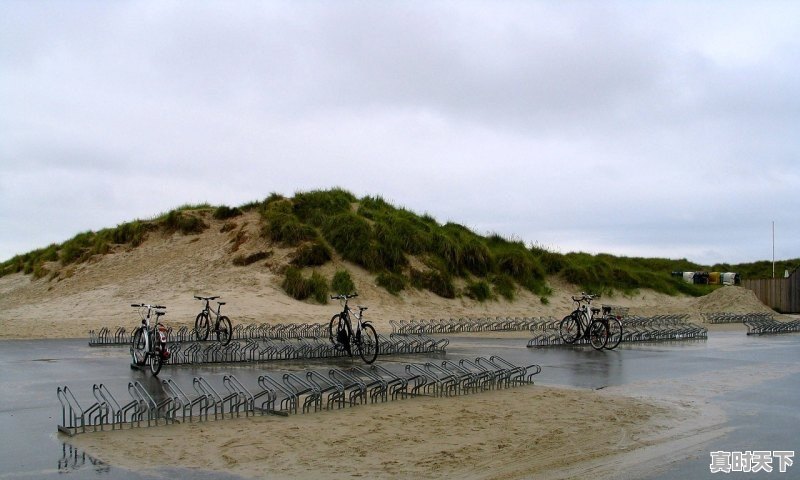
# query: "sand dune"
(517, 433)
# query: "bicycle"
(342, 336)
(149, 344)
(582, 324)
(614, 324)
(222, 324)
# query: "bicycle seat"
(221, 303)
(158, 314)
(362, 308)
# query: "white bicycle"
(149, 344)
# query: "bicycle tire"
(224, 330)
(138, 347)
(201, 326)
(614, 333)
(569, 329)
(156, 362)
(335, 331)
(598, 334)
(367, 343)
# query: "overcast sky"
(660, 129)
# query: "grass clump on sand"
(301, 288)
(225, 212)
(181, 221)
(282, 226)
(394, 283)
(606, 273)
(311, 254)
(479, 290)
(342, 283)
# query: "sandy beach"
(531, 431)
(516, 433)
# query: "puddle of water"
(30, 372)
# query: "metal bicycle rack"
(462, 325)
(767, 325)
(271, 349)
(725, 317)
(264, 342)
(674, 327)
(285, 393)
(105, 337)
(184, 334)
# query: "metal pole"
(773, 249)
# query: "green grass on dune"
(400, 248)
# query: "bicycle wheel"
(569, 329)
(367, 343)
(138, 347)
(337, 333)
(598, 334)
(155, 359)
(224, 330)
(201, 326)
(614, 333)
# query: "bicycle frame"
(153, 335)
(585, 315)
(210, 310)
(209, 320)
(581, 323)
(344, 334)
(146, 323)
(347, 312)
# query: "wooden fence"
(780, 294)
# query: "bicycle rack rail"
(725, 317)
(184, 334)
(673, 327)
(262, 343)
(461, 325)
(288, 331)
(767, 325)
(761, 323)
(286, 394)
(355, 390)
(104, 337)
(330, 391)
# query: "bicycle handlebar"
(140, 305)
(343, 297)
(206, 298)
(585, 297)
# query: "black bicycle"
(344, 338)
(149, 343)
(614, 324)
(581, 323)
(222, 324)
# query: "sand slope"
(170, 269)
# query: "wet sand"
(514, 433)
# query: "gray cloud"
(660, 128)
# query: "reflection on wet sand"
(73, 459)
